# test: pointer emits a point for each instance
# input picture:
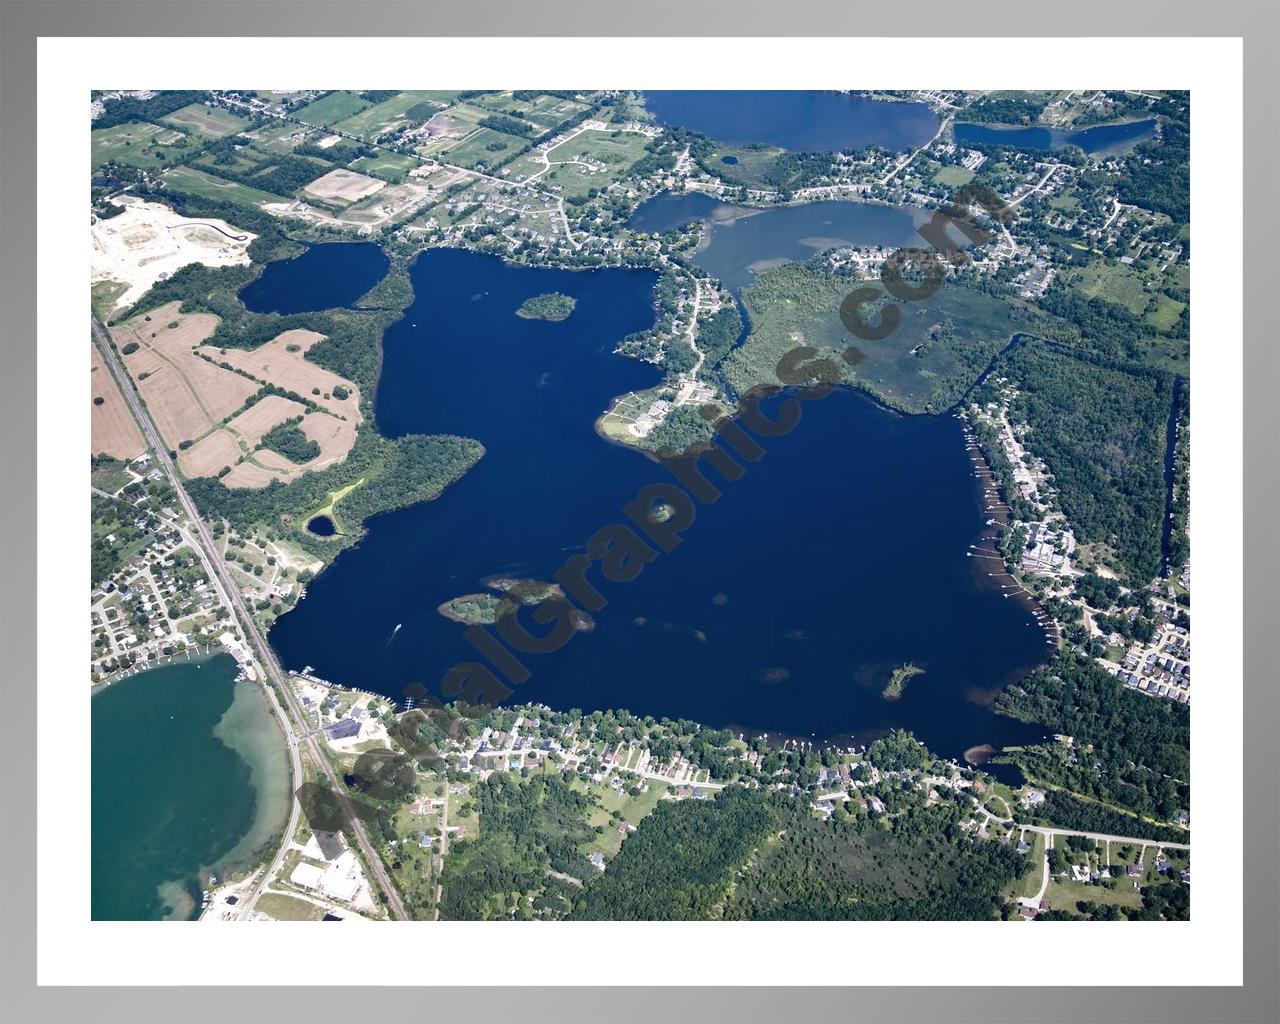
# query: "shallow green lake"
(190, 778)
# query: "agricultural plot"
(202, 183)
(211, 122)
(185, 394)
(112, 426)
(344, 186)
(391, 167)
(138, 145)
(484, 148)
(278, 137)
(392, 114)
(282, 361)
(330, 109)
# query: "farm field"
(329, 110)
(281, 361)
(344, 186)
(474, 151)
(392, 167)
(211, 122)
(201, 183)
(185, 394)
(374, 121)
(138, 145)
(112, 426)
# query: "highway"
(294, 722)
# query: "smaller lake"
(322, 526)
(796, 120)
(190, 777)
(1102, 138)
(743, 241)
(326, 276)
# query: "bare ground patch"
(345, 186)
(210, 454)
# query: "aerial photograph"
(623, 505)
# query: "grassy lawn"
(109, 476)
(1029, 884)
(135, 144)
(1113, 282)
(200, 183)
(1064, 893)
(334, 497)
(953, 177)
(329, 110)
(1166, 312)
(211, 122)
(288, 908)
(392, 167)
(632, 808)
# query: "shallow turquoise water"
(190, 777)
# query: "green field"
(212, 122)
(136, 144)
(940, 347)
(198, 183)
(381, 117)
(330, 109)
(1114, 282)
(473, 149)
(392, 167)
(544, 111)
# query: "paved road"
(294, 722)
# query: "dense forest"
(1101, 430)
(1064, 810)
(1127, 749)
(1005, 108)
(1157, 175)
(530, 826)
(678, 865)
(922, 867)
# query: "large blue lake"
(838, 556)
(796, 120)
(1103, 138)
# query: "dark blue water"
(322, 526)
(800, 121)
(1103, 138)
(324, 277)
(743, 241)
(837, 557)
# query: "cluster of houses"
(1161, 668)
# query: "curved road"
(294, 723)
